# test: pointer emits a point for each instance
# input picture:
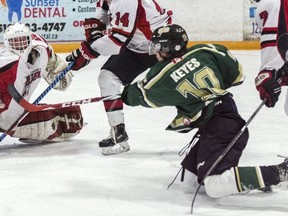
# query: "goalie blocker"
(51, 125)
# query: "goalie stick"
(40, 97)
(282, 46)
(35, 108)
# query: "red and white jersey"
(269, 16)
(24, 76)
(131, 23)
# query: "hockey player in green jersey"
(195, 80)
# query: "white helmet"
(18, 39)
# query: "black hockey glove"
(268, 87)
(282, 74)
(82, 56)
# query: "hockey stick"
(35, 108)
(282, 46)
(231, 144)
(40, 97)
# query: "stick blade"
(14, 93)
(22, 102)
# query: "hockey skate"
(283, 170)
(116, 143)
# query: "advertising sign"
(251, 31)
(55, 20)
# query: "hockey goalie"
(25, 58)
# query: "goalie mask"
(17, 39)
(170, 39)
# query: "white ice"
(74, 178)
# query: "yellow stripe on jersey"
(155, 79)
(151, 82)
(240, 77)
(237, 177)
(145, 98)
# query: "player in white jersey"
(271, 16)
(24, 59)
(130, 24)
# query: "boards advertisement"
(251, 30)
(55, 20)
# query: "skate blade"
(116, 149)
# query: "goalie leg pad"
(51, 125)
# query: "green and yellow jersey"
(191, 83)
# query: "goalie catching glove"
(268, 87)
(54, 67)
(51, 125)
(82, 56)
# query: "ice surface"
(73, 178)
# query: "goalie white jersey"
(25, 76)
(131, 22)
